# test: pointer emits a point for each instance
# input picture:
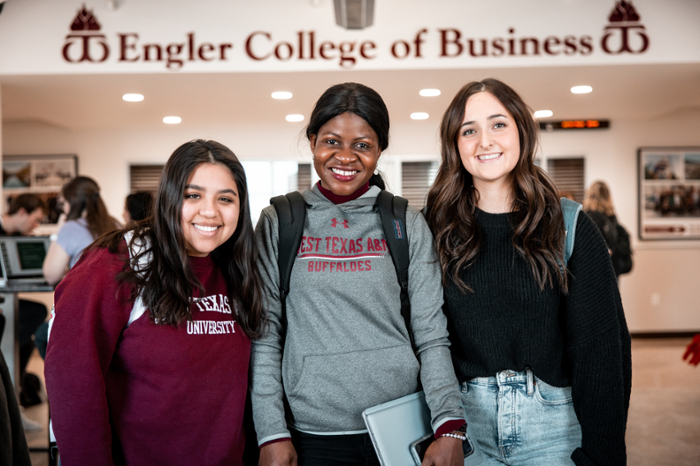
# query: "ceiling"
(620, 92)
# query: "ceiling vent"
(354, 14)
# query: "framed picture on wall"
(669, 193)
(44, 175)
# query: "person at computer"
(24, 215)
(83, 218)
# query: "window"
(416, 179)
(304, 177)
(145, 177)
(567, 174)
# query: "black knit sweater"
(579, 340)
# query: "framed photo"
(44, 175)
(669, 193)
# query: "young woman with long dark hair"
(342, 345)
(541, 351)
(147, 362)
(84, 218)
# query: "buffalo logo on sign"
(624, 33)
(85, 32)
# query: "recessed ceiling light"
(429, 92)
(294, 117)
(543, 113)
(419, 116)
(581, 89)
(172, 120)
(281, 95)
(132, 97)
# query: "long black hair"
(355, 98)
(166, 284)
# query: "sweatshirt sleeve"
(599, 349)
(89, 318)
(266, 388)
(429, 325)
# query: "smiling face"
(346, 151)
(488, 142)
(210, 208)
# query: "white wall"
(661, 293)
(668, 269)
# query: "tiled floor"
(664, 420)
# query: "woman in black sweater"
(540, 348)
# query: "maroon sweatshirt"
(144, 394)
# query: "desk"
(10, 309)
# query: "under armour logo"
(335, 222)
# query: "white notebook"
(394, 425)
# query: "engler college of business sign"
(623, 34)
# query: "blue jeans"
(520, 420)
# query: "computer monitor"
(23, 256)
(3, 275)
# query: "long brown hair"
(166, 284)
(536, 218)
(83, 196)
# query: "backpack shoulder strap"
(570, 210)
(392, 211)
(291, 212)
(135, 248)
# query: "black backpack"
(621, 250)
(617, 239)
(291, 212)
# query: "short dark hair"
(139, 205)
(27, 201)
(355, 98)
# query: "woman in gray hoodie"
(342, 345)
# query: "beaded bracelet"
(460, 437)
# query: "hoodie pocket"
(334, 389)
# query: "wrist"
(458, 435)
(277, 440)
(452, 425)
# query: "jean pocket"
(551, 395)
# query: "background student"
(150, 342)
(342, 345)
(25, 214)
(137, 206)
(83, 218)
(542, 352)
(599, 207)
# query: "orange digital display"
(574, 124)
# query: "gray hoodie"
(346, 347)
